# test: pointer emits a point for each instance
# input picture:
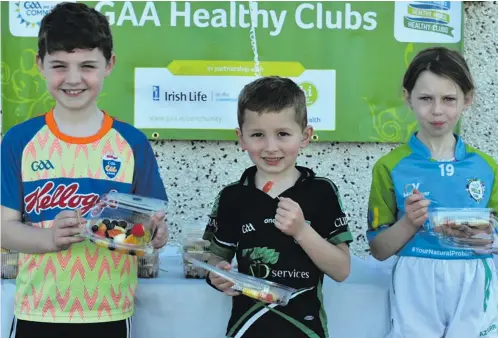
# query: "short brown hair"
(272, 94)
(443, 62)
(69, 26)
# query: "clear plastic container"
(194, 246)
(191, 270)
(10, 264)
(148, 265)
(257, 288)
(123, 222)
(198, 249)
(457, 228)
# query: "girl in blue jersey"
(436, 291)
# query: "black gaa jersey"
(242, 224)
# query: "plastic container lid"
(257, 288)
(123, 222)
(463, 228)
(134, 203)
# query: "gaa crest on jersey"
(111, 165)
(476, 188)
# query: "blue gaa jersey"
(467, 181)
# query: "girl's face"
(438, 103)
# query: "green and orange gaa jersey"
(45, 172)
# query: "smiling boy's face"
(273, 139)
(75, 79)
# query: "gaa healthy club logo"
(429, 16)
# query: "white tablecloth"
(174, 307)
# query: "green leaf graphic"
(262, 255)
(274, 258)
(246, 252)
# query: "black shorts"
(27, 329)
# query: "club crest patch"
(476, 189)
(111, 165)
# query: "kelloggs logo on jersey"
(64, 196)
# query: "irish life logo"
(428, 21)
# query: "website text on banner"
(181, 65)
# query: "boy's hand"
(160, 227)
(289, 218)
(416, 207)
(66, 226)
(220, 283)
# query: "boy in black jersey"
(285, 224)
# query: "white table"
(174, 307)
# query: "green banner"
(181, 65)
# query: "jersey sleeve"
(219, 231)
(147, 179)
(493, 198)
(382, 208)
(332, 222)
(212, 224)
(12, 188)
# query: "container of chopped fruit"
(257, 288)
(123, 222)
(469, 228)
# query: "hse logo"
(25, 16)
(41, 165)
(428, 21)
